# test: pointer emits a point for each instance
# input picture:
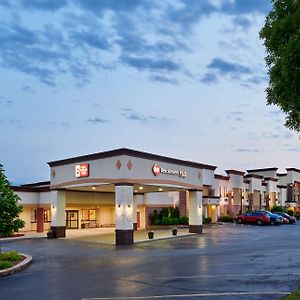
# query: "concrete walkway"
(107, 235)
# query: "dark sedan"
(291, 219)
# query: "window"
(47, 215)
(89, 214)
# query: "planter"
(50, 234)
(150, 235)
(174, 231)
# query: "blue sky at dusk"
(181, 78)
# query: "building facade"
(121, 188)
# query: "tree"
(281, 35)
(9, 207)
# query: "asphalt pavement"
(226, 262)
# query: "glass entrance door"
(72, 219)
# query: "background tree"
(9, 208)
(281, 35)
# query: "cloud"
(131, 115)
(245, 7)
(242, 22)
(92, 39)
(97, 121)
(28, 89)
(189, 13)
(146, 63)
(164, 79)
(247, 150)
(44, 4)
(225, 67)
(209, 78)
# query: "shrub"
(157, 222)
(175, 221)
(290, 212)
(277, 208)
(166, 221)
(4, 264)
(206, 220)
(154, 216)
(183, 220)
(10, 256)
(225, 219)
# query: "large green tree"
(9, 207)
(281, 35)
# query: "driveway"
(227, 262)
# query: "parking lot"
(227, 262)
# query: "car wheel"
(239, 221)
(259, 222)
(272, 222)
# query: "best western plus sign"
(156, 169)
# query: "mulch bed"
(14, 236)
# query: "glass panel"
(92, 214)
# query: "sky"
(180, 78)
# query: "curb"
(166, 238)
(19, 267)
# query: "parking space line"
(192, 295)
(226, 275)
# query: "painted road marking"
(226, 275)
(192, 295)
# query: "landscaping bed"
(13, 236)
(10, 259)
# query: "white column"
(195, 211)
(124, 214)
(58, 214)
(205, 211)
(216, 213)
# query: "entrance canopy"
(127, 173)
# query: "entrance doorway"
(72, 219)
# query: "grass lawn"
(293, 296)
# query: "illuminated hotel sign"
(82, 170)
(156, 169)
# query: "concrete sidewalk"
(107, 235)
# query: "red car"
(258, 218)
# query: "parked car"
(274, 218)
(256, 217)
(290, 219)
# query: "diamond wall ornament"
(53, 173)
(129, 165)
(118, 164)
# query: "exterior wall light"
(140, 188)
(93, 188)
(160, 189)
(119, 205)
(128, 205)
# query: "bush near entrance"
(226, 219)
(168, 216)
(9, 208)
(282, 209)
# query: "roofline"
(37, 184)
(30, 189)
(293, 169)
(130, 152)
(235, 172)
(222, 177)
(262, 170)
(270, 179)
(254, 175)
